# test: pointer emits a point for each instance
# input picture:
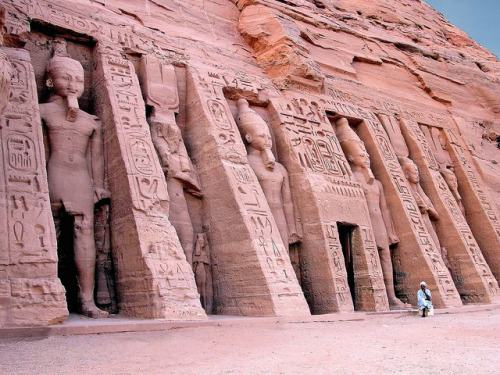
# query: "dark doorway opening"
(345, 238)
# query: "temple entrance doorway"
(345, 237)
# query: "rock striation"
(260, 157)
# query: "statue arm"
(429, 206)
(386, 216)
(97, 162)
(160, 143)
(288, 207)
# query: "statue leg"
(201, 278)
(85, 261)
(386, 263)
(179, 217)
(209, 290)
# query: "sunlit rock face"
(222, 130)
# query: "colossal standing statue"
(452, 182)
(272, 176)
(75, 166)
(380, 217)
(203, 272)
(425, 205)
(160, 91)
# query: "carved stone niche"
(161, 83)
(339, 263)
(460, 200)
(55, 59)
(415, 257)
(252, 273)
(152, 277)
(30, 292)
(441, 199)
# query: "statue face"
(411, 173)
(259, 138)
(360, 158)
(451, 180)
(66, 81)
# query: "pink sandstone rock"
(170, 102)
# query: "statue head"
(410, 170)
(65, 77)
(450, 178)
(64, 74)
(253, 129)
(200, 239)
(356, 154)
(255, 132)
(353, 147)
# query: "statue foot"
(397, 304)
(92, 311)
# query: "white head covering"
(423, 283)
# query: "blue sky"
(480, 19)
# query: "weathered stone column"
(154, 278)
(415, 258)
(325, 193)
(482, 215)
(472, 276)
(251, 267)
(30, 291)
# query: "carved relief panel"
(27, 233)
(217, 146)
(403, 206)
(137, 180)
(462, 251)
(311, 152)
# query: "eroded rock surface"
(200, 219)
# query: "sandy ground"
(458, 343)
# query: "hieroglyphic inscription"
(147, 182)
(420, 230)
(312, 138)
(118, 35)
(263, 226)
(157, 271)
(377, 279)
(468, 239)
(171, 268)
(479, 189)
(416, 133)
(245, 184)
(227, 137)
(444, 280)
(336, 257)
(29, 233)
(310, 134)
(352, 100)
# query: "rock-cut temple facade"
(173, 160)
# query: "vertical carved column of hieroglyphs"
(472, 276)
(481, 212)
(415, 258)
(253, 274)
(30, 291)
(153, 278)
(326, 193)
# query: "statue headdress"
(347, 136)
(61, 58)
